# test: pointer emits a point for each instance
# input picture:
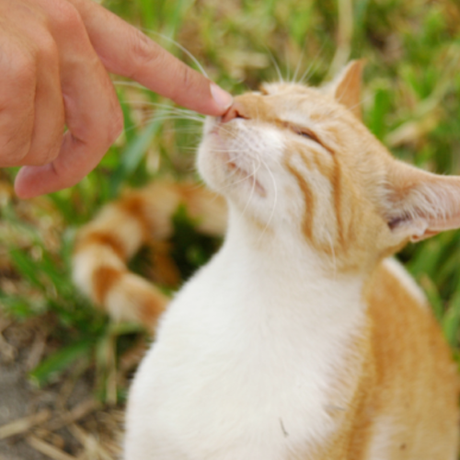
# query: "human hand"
(54, 59)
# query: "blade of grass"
(58, 362)
(134, 153)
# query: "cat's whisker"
(174, 111)
(362, 101)
(162, 117)
(235, 173)
(227, 150)
(306, 75)
(299, 63)
(181, 47)
(185, 131)
(275, 64)
(193, 139)
(243, 179)
(253, 188)
(165, 106)
(286, 60)
(129, 83)
(179, 116)
(175, 116)
(223, 128)
(170, 109)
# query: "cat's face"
(298, 161)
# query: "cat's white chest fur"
(246, 360)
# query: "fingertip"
(32, 181)
(26, 185)
(216, 101)
(222, 98)
(21, 185)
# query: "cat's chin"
(221, 169)
(241, 177)
(226, 176)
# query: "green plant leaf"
(54, 365)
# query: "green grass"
(411, 101)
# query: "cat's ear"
(420, 204)
(346, 87)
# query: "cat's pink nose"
(237, 110)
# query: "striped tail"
(104, 246)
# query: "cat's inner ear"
(421, 204)
(346, 87)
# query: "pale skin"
(55, 56)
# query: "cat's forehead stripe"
(344, 232)
(307, 221)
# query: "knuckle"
(187, 78)
(185, 83)
(143, 49)
(66, 17)
(22, 67)
(47, 48)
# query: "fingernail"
(224, 99)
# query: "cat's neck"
(283, 269)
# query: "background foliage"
(411, 101)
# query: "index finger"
(124, 50)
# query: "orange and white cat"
(300, 339)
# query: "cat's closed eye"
(304, 132)
(308, 134)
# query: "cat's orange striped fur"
(105, 245)
(394, 389)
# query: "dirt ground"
(62, 421)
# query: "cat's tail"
(104, 246)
